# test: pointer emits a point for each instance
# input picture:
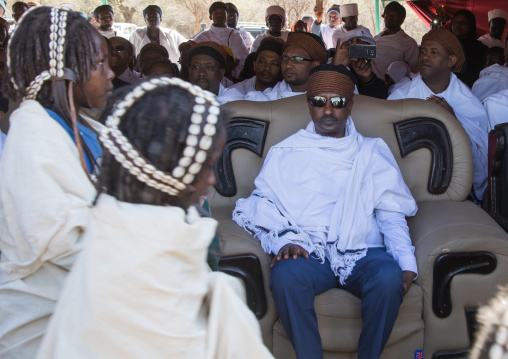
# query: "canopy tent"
(428, 10)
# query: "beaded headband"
(56, 51)
(194, 154)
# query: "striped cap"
(210, 48)
(329, 78)
(311, 43)
(449, 42)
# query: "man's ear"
(315, 63)
(452, 60)
(222, 72)
(210, 17)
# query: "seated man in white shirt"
(441, 53)
(124, 59)
(221, 34)
(267, 68)
(275, 17)
(349, 13)
(302, 51)
(330, 204)
(207, 66)
(393, 44)
(154, 33)
(105, 17)
(232, 22)
(497, 24)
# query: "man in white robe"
(207, 66)
(326, 31)
(330, 204)
(497, 24)
(221, 34)
(302, 51)
(232, 22)
(105, 17)
(153, 33)
(496, 106)
(267, 68)
(349, 13)
(275, 17)
(441, 53)
(492, 79)
(393, 44)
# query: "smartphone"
(362, 51)
(319, 4)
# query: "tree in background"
(199, 9)
(121, 9)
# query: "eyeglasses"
(294, 59)
(120, 48)
(276, 20)
(320, 101)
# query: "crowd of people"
(108, 135)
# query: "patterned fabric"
(330, 82)
(210, 48)
(450, 43)
(311, 43)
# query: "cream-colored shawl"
(44, 204)
(141, 288)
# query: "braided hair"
(30, 56)
(157, 126)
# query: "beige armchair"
(462, 253)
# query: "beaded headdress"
(194, 154)
(56, 51)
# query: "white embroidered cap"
(349, 10)
(498, 13)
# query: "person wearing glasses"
(123, 60)
(275, 21)
(330, 205)
(302, 52)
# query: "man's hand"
(407, 278)
(290, 250)
(362, 69)
(442, 102)
(341, 56)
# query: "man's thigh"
(377, 267)
(309, 273)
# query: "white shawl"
(281, 90)
(141, 288)
(45, 198)
(321, 193)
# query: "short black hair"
(394, 5)
(217, 5)
(152, 7)
(19, 3)
(101, 8)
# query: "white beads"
(191, 162)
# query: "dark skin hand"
(407, 278)
(294, 250)
(442, 102)
(361, 67)
(290, 250)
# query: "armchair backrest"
(429, 144)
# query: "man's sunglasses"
(294, 59)
(120, 48)
(335, 102)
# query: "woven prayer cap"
(333, 79)
(275, 10)
(493, 14)
(349, 10)
(449, 42)
(311, 43)
(210, 48)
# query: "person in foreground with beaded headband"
(57, 63)
(330, 204)
(162, 139)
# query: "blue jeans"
(376, 279)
